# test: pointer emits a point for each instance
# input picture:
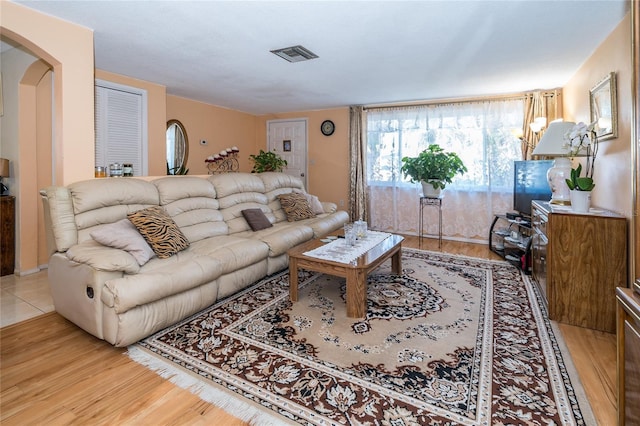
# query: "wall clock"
(327, 127)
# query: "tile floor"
(24, 297)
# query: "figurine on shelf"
(226, 161)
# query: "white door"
(288, 138)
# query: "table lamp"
(4, 172)
(552, 145)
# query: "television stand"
(511, 239)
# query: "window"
(479, 132)
(121, 126)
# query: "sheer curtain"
(481, 133)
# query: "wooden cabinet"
(7, 234)
(578, 261)
(628, 356)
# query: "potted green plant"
(434, 168)
(580, 183)
(581, 187)
(267, 162)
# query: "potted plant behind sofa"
(434, 168)
(267, 162)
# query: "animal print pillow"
(295, 206)
(159, 230)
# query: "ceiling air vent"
(295, 54)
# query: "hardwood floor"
(53, 372)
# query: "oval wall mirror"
(177, 148)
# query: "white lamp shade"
(552, 141)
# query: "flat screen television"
(530, 183)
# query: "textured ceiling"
(370, 52)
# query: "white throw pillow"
(314, 203)
(124, 235)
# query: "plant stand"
(435, 202)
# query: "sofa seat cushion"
(232, 252)
(103, 258)
(122, 294)
(281, 237)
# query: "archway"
(70, 54)
(35, 163)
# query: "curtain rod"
(547, 93)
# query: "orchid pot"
(580, 201)
(580, 187)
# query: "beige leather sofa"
(105, 290)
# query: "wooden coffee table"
(355, 272)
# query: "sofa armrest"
(103, 258)
(329, 207)
(59, 217)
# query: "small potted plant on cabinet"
(434, 168)
(581, 187)
(267, 162)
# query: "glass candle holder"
(116, 170)
(360, 227)
(349, 234)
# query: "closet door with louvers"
(121, 126)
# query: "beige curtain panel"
(357, 165)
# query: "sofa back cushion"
(276, 184)
(237, 192)
(100, 201)
(191, 202)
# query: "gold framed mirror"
(603, 104)
(177, 148)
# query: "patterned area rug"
(454, 340)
